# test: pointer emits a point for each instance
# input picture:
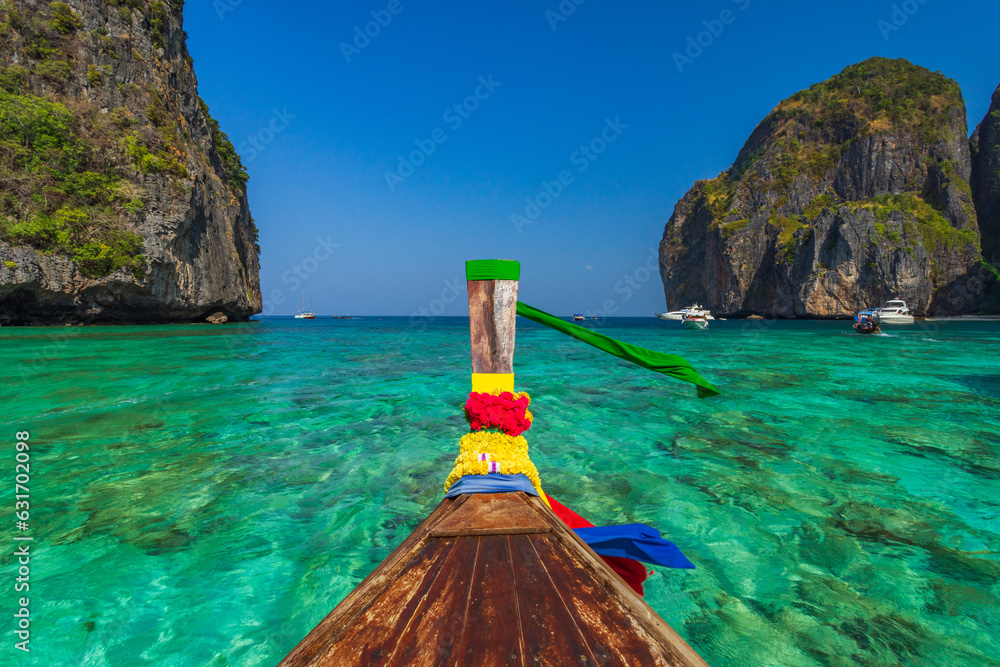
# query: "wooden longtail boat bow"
(492, 578)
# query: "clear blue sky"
(323, 173)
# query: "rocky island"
(855, 190)
(121, 199)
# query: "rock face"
(851, 192)
(125, 202)
(985, 145)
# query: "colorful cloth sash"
(634, 540)
(493, 483)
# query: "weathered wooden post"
(492, 285)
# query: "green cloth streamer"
(492, 269)
(668, 364)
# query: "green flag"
(668, 364)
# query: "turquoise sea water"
(204, 495)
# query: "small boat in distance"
(865, 322)
(694, 321)
(307, 315)
(578, 317)
(894, 312)
(677, 315)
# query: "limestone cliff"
(121, 200)
(985, 144)
(848, 193)
(985, 147)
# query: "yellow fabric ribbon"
(490, 383)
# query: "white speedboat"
(578, 317)
(677, 315)
(694, 321)
(894, 312)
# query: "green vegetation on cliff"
(801, 145)
(933, 228)
(882, 93)
(236, 174)
(57, 191)
(71, 176)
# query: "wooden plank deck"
(492, 579)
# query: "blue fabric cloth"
(634, 540)
(492, 483)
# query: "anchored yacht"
(894, 312)
(694, 321)
(307, 315)
(690, 310)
